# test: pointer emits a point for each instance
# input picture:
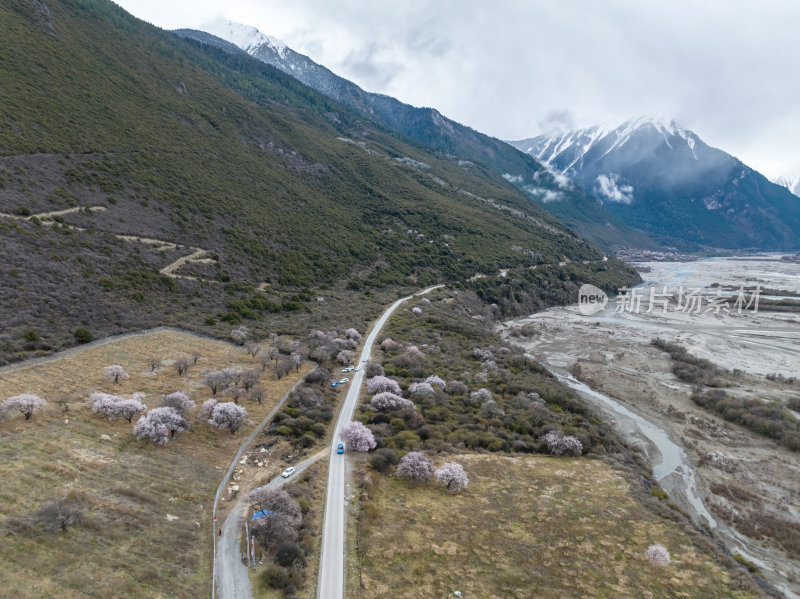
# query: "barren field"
(528, 526)
(147, 509)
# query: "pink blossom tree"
(117, 407)
(386, 401)
(297, 358)
(114, 373)
(207, 408)
(480, 396)
(658, 555)
(379, 384)
(128, 408)
(228, 415)
(389, 344)
(436, 381)
(416, 310)
(415, 466)
(25, 404)
(358, 437)
(559, 444)
(452, 474)
(178, 400)
(414, 354)
(352, 334)
(421, 390)
(345, 357)
(282, 519)
(160, 425)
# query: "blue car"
(335, 384)
(340, 448)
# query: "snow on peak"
(790, 180)
(245, 37)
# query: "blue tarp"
(261, 514)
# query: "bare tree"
(155, 363)
(264, 359)
(58, 515)
(249, 378)
(182, 365)
(236, 393)
(217, 379)
(283, 368)
(274, 353)
(252, 348)
(195, 357)
(258, 394)
(178, 400)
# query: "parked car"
(344, 380)
(357, 368)
(288, 472)
(340, 448)
(335, 384)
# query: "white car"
(365, 360)
(344, 380)
(357, 368)
(288, 472)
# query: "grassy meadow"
(147, 508)
(527, 527)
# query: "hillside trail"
(198, 254)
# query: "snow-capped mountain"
(245, 37)
(664, 180)
(790, 180)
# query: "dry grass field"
(147, 509)
(526, 527)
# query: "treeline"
(692, 369)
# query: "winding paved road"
(230, 573)
(331, 570)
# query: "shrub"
(558, 444)
(383, 459)
(83, 335)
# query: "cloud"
(557, 121)
(515, 69)
(607, 187)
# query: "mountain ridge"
(427, 126)
(665, 180)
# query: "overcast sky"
(727, 69)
